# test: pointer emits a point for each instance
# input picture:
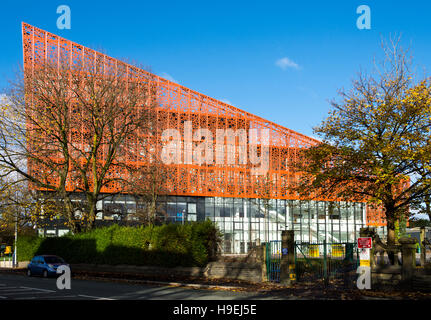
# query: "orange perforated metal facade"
(179, 105)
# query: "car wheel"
(29, 272)
(45, 274)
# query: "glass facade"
(245, 221)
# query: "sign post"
(364, 247)
(364, 270)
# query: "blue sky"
(281, 60)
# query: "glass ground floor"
(245, 222)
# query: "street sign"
(364, 247)
(284, 251)
(364, 243)
(364, 257)
(364, 254)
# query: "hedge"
(168, 245)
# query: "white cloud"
(167, 76)
(226, 101)
(285, 63)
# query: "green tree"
(22, 207)
(376, 141)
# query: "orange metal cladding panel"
(375, 217)
(178, 105)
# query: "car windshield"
(53, 260)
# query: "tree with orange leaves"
(376, 141)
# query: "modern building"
(230, 188)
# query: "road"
(19, 286)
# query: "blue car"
(45, 265)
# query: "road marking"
(97, 298)
(13, 290)
(56, 297)
(1, 297)
(28, 293)
(45, 290)
(8, 291)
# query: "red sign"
(364, 243)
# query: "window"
(54, 259)
(114, 211)
(333, 211)
(209, 208)
(238, 226)
(321, 211)
(239, 208)
(296, 213)
(51, 233)
(227, 243)
(191, 208)
(181, 211)
(281, 211)
(62, 232)
(171, 208)
(191, 217)
(218, 207)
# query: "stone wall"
(214, 270)
(239, 267)
(422, 282)
(6, 264)
(145, 270)
(235, 270)
(9, 264)
(386, 277)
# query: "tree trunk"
(92, 215)
(92, 211)
(152, 212)
(69, 212)
(428, 206)
(390, 223)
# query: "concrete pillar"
(287, 265)
(408, 249)
(422, 246)
(262, 249)
(259, 254)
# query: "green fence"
(315, 260)
(273, 260)
(324, 261)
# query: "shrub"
(166, 245)
(27, 247)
